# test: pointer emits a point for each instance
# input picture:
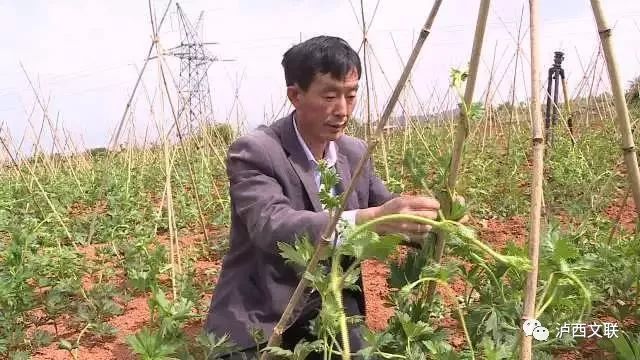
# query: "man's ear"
(294, 94)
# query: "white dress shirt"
(331, 157)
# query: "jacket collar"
(299, 158)
(330, 156)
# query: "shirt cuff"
(348, 217)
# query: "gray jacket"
(274, 198)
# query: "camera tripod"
(555, 79)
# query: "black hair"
(320, 54)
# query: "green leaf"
(355, 244)
(214, 346)
(441, 350)
(476, 111)
(564, 250)
(407, 272)
(278, 351)
(301, 252)
(257, 334)
(458, 211)
(150, 345)
(111, 308)
(104, 329)
(160, 300)
(42, 338)
(491, 325)
(66, 345)
(318, 280)
(465, 232)
(493, 351)
(444, 272)
(304, 348)
(329, 178)
(414, 330)
(457, 77)
(19, 355)
(351, 279)
(624, 346)
(381, 247)
(291, 254)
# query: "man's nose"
(340, 108)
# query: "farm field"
(115, 255)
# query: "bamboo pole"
(462, 129)
(155, 30)
(536, 181)
(412, 125)
(55, 145)
(181, 144)
(36, 139)
(365, 45)
(285, 320)
(622, 118)
(168, 166)
(487, 100)
(410, 86)
(46, 160)
(115, 137)
(598, 83)
(513, 112)
(384, 145)
(591, 84)
(567, 110)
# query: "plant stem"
(400, 217)
(336, 289)
(75, 353)
(551, 282)
(490, 274)
(586, 302)
(344, 330)
(445, 227)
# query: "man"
(274, 185)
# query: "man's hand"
(410, 205)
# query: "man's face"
(322, 112)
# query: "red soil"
(136, 311)
(624, 213)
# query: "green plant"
(625, 346)
(360, 243)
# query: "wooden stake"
(536, 181)
(622, 119)
(513, 111)
(365, 42)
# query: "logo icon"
(534, 328)
(541, 333)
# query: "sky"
(84, 57)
